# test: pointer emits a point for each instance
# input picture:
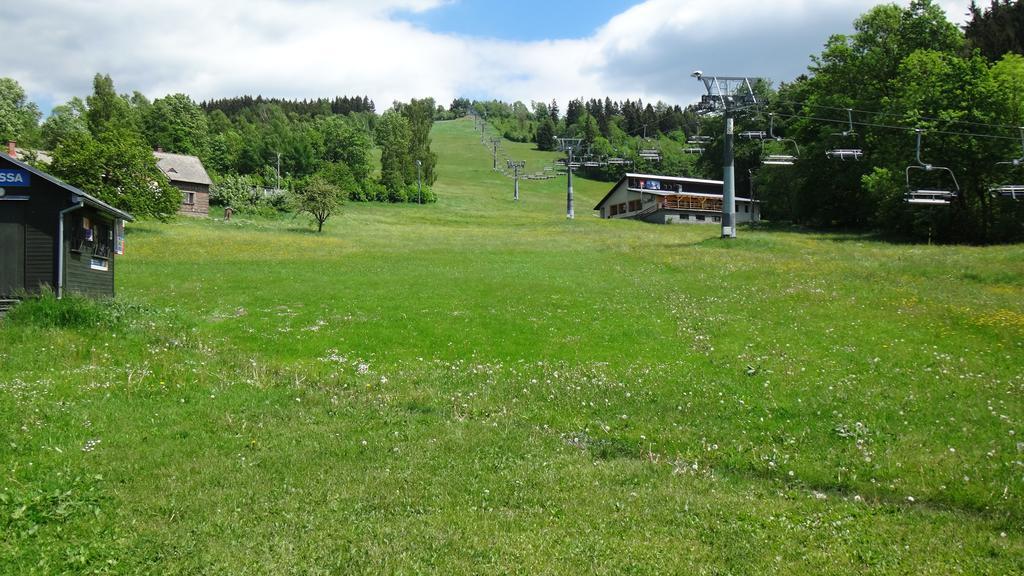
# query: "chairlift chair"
(1012, 191)
(650, 154)
(697, 143)
(770, 159)
(650, 150)
(846, 153)
(928, 196)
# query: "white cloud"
(310, 48)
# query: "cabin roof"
(182, 168)
(89, 199)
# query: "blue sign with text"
(14, 179)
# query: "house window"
(188, 197)
(701, 217)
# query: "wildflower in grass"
(90, 445)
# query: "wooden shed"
(53, 234)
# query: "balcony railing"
(684, 202)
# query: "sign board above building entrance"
(14, 179)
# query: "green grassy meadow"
(481, 386)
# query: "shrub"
(71, 311)
(247, 195)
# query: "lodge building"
(672, 200)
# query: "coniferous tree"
(998, 29)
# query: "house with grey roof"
(187, 174)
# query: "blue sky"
(389, 50)
(525, 20)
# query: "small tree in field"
(319, 198)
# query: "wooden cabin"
(672, 200)
(53, 234)
(188, 175)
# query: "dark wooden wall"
(78, 273)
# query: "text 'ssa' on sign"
(15, 179)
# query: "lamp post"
(419, 183)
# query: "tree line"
(250, 145)
(341, 105)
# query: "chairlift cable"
(896, 115)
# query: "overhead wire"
(898, 127)
(897, 115)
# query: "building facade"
(187, 174)
(672, 200)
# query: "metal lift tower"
(727, 95)
(568, 145)
(495, 142)
(516, 166)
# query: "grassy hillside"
(480, 386)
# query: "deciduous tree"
(320, 199)
(19, 118)
(117, 167)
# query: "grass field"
(480, 386)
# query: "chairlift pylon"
(846, 153)
(926, 196)
(768, 159)
(1012, 191)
